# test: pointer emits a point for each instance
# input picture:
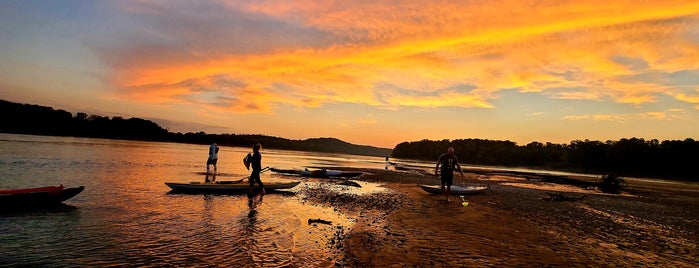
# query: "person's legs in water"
(210, 162)
(259, 181)
(255, 177)
(252, 181)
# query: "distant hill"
(42, 120)
(335, 145)
(327, 145)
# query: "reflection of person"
(448, 161)
(252, 213)
(213, 157)
(256, 163)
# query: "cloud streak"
(670, 114)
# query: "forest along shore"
(521, 222)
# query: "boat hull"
(36, 197)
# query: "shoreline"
(516, 225)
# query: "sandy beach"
(520, 223)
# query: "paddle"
(246, 178)
(262, 170)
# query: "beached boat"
(317, 173)
(456, 190)
(230, 188)
(36, 197)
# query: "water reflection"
(250, 227)
(55, 208)
(125, 218)
(253, 202)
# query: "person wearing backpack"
(255, 161)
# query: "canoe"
(36, 197)
(239, 187)
(456, 190)
(317, 173)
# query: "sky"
(374, 72)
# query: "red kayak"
(36, 197)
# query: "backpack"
(246, 161)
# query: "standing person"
(256, 163)
(448, 161)
(213, 157)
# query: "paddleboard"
(455, 190)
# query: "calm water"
(126, 215)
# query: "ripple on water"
(187, 230)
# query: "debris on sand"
(311, 221)
(562, 197)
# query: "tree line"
(43, 120)
(674, 159)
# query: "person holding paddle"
(213, 157)
(448, 161)
(256, 163)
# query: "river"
(126, 216)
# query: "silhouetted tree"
(634, 156)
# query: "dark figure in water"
(212, 160)
(449, 162)
(256, 163)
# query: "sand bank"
(651, 224)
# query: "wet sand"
(650, 224)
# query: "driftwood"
(562, 197)
(310, 221)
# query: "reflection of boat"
(403, 168)
(238, 187)
(36, 197)
(456, 190)
(317, 173)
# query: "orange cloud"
(694, 99)
(397, 53)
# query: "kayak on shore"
(456, 190)
(227, 187)
(36, 197)
(317, 173)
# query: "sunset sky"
(367, 72)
